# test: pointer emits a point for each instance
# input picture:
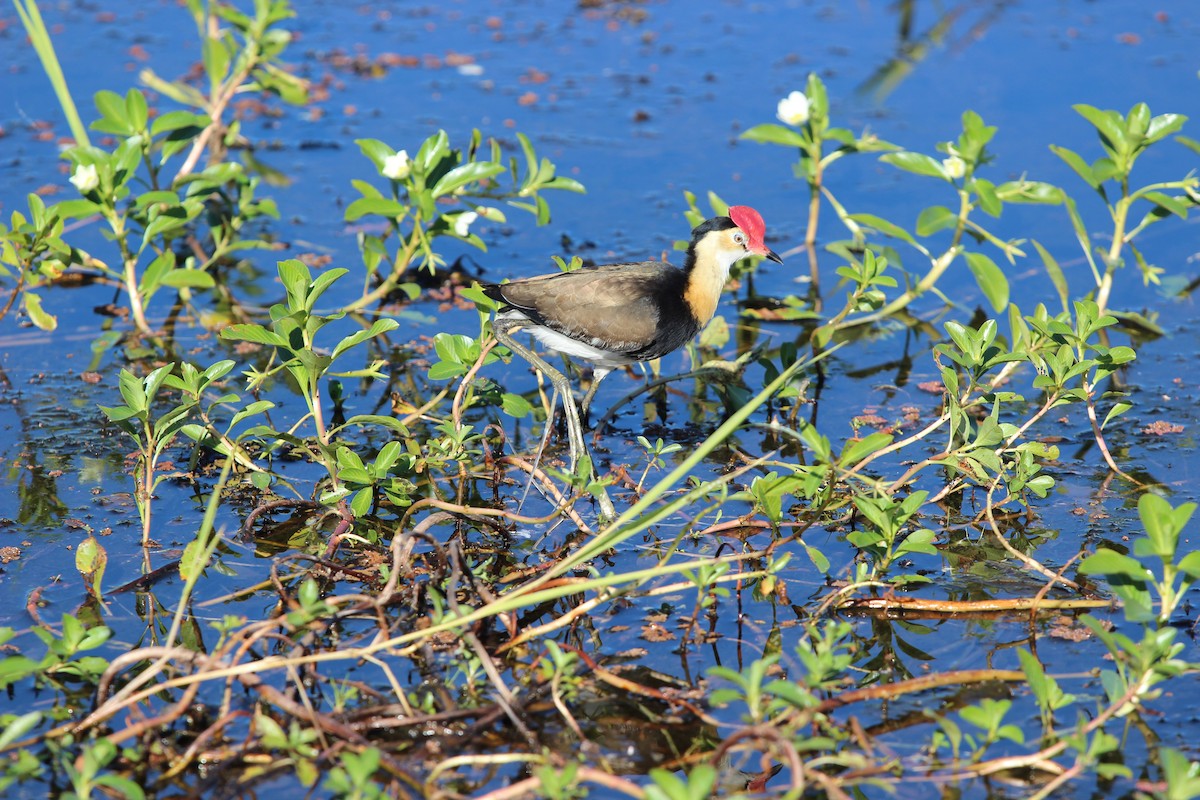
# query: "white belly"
(573, 348)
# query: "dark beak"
(773, 256)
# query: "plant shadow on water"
(911, 515)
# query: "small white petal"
(397, 167)
(462, 224)
(85, 178)
(793, 109)
(955, 167)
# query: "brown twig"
(456, 409)
(274, 505)
(890, 691)
(966, 607)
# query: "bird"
(615, 315)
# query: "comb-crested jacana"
(614, 315)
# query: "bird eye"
(739, 237)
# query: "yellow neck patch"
(715, 254)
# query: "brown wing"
(612, 306)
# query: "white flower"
(954, 166)
(85, 178)
(397, 167)
(462, 223)
(793, 109)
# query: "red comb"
(749, 221)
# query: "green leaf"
(1034, 674)
(431, 152)
(543, 211)
(18, 728)
(257, 407)
(216, 59)
(118, 413)
(363, 420)
(1110, 124)
(360, 504)
(375, 150)
(91, 560)
(1117, 410)
(191, 278)
(1164, 125)
(774, 134)
(132, 390)
(920, 541)
(355, 476)
(388, 455)
(1163, 523)
(153, 274)
(917, 163)
(113, 115)
(1176, 206)
(382, 206)
(1137, 122)
(1057, 277)
(464, 174)
(817, 558)
(990, 279)
(193, 561)
(378, 327)
(73, 209)
(177, 91)
(296, 279)
(33, 307)
(169, 220)
(989, 201)
(126, 159)
(934, 219)
(1030, 192)
(886, 228)
(1190, 564)
(15, 668)
(136, 111)
(179, 122)
(855, 451)
(515, 405)
(1076, 162)
(320, 284)
(1109, 562)
(253, 333)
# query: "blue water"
(640, 102)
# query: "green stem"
(403, 258)
(35, 27)
(129, 272)
(1112, 259)
(146, 490)
(313, 397)
(249, 59)
(814, 212)
(940, 265)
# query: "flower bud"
(793, 109)
(85, 178)
(397, 167)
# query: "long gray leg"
(502, 327)
(597, 375)
(562, 387)
(537, 459)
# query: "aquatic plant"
(414, 609)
